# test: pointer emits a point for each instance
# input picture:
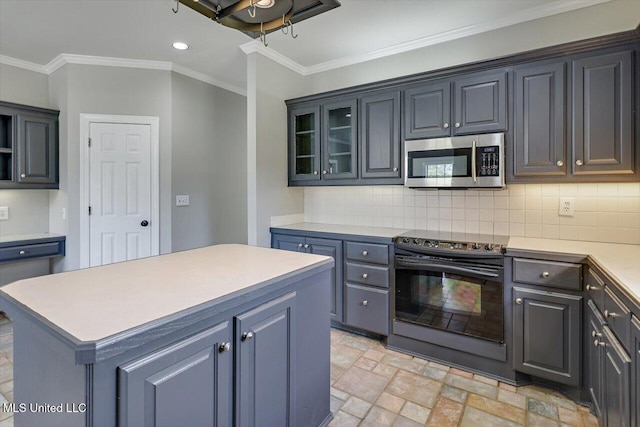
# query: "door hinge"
(89, 210)
(89, 142)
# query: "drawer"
(368, 274)
(368, 252)
(16, 253)
(617, 316)
(595, 289)
(547, 273)
(367, 308)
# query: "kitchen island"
(228, 334)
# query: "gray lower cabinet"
(595, 382)
(546, 335)
(603, 139)
(635, 379)
(480, 103)
(327, 247)
(264, 356)
(539, 104)
(367, 308)
(151, 390)
(617, 373)
(380, 150)
(427, 110)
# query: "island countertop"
(96, 303)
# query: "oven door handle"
(447, 269)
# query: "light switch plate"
(182, 200)
(4, 213)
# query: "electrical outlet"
(182, 200)
(567, 206)
(4, 213)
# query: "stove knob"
(416, 241)
(488, 247)
(475, 246)
(405, 240)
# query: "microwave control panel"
(488, 159)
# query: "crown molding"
(255, 46)
(105, 61)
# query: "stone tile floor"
(373, 386)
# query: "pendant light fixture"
(257, 18)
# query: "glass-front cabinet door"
(304, 146)
(339, 140)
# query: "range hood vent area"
(259, 17)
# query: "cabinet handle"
(365, 275)
(446, 125)
(395, 169)
(306, 246)
(592, 288)
(300, 245)
(579, 163)
(608, 314)
(247, 336)
(365, 303)
(457, 124)
(559, 163)
(595, 334)
(365, 253)
(545, 275)
(315, 172)
(22, 252)
(519, 301)
(324, 172)
(598, 343)
(225, 346)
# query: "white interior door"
(119, 192)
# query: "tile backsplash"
(603, 212)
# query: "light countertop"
(17, 238)
(99, 302)
(357, 230)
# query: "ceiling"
(39, 30)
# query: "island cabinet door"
(186, 384)
(546, 335)
(264, 375)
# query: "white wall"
(269, 85)
(209, 163)
(607, 18)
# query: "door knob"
(579, 163)
(144, 223)
(247, 336)
(559, 163)
(457, 124)
(446, 126)
(518, 301)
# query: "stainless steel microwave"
(474, 161)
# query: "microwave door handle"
(474, 173)
(447, 269)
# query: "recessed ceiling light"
(180, 46)
(265, 4)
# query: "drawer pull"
(608, 314)
(545, 275)
(299, 245)
(306, 246)
(365, 253)
(247, 336)
(22, 252)
(519, 301)
(592, 288)
(595, 334)
(599, 343)
(365, 303)
(365, 275)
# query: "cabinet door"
(635, 356)
(304, 144)
(546, 336)
(603, 140)
(427, 111)
(380, 149)
(539, 113)
(617, 390)
(339, 140)
(595, 379)
(265, 345)
(37, 148)
(332, 248)
(186, 384)
(288, 243)
(480, 104)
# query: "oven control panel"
(443, 245)
(488, 161)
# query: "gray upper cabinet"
(339, 139)
(603, 139)
(427, 110)
(480, 103)
(304, 144)
(539, 100)
(265, 358)
(380, 149)
(151, 390)
(28, 147)
(546, 335)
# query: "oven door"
(454, 296)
